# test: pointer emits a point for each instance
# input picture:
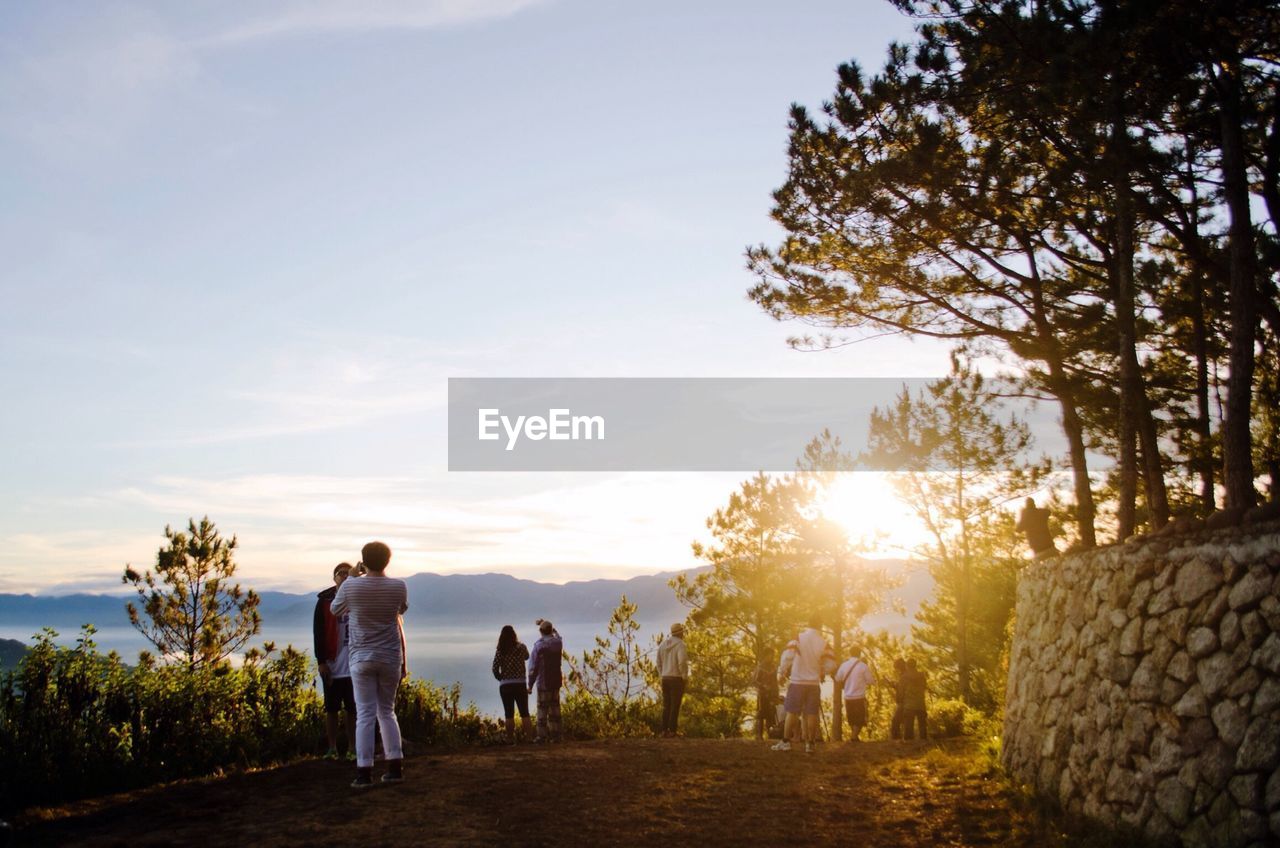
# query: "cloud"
(91, 78)
(339, 15)
(313, 384)
(292, 527)
(90, 83)
(72, 560)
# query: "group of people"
(360, 653)
(808, 659)
(520, 672)
(359, 643)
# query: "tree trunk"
(1127, 494)
(1085, 508)
(1135, 409)
(1059, 385)
(1237, 444)
(837, 692)
(1203, 426)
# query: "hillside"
(11, 651)
(622, 792)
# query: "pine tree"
(617, 670)
(190, 608)
(757, 586)
(963, 463)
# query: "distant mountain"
(64, 613)
(450, 599)
(11, 651)
(433, 599)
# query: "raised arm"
(339, 606)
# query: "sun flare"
(866, 506)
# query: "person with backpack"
(854, 675)
(331, 650)
(545, 674)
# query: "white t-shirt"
(856, 677)
(806, 668)
(374, 603)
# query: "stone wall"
(1144, 686)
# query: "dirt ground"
(623, 792)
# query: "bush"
(75, 723)
(950, 717)
(585, 715)
(712, 716)
(430, 714)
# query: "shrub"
(75, 723)
(586, 715)
(950, 717)
(430, 714)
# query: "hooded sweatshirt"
(544, 663)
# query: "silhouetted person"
(766, 696)
(1034, 522)
(914, 688)
(895, 726)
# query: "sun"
(867, 507)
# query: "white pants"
(375, 684)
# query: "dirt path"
(627, 792)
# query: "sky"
(247, 244)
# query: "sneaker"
(784, 745)
(808, 747)
(364, 779)
(395, 772)
(331, 754)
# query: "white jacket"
(673, 658)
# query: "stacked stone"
(1144, 686)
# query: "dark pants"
(766, 714)
(895, 726)
(855, 710)
(672, 695)
(910, 718)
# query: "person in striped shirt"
(375, 603)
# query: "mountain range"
(445, 600)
